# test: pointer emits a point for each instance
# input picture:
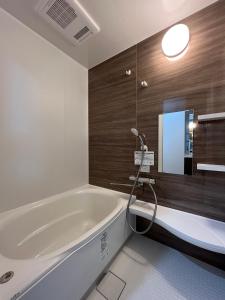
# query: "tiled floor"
(156, 272)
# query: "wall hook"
(128, 72)
(144, 84)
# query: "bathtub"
(57, 247)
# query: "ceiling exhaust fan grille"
(62, 13)
(82, 33)
(69, 18)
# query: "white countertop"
(197, 230)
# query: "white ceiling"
(123, 23)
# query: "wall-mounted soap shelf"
(211, 117)
(211, 167)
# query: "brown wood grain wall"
(196, 81)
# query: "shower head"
(140, 136)
(134, 131)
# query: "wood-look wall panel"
(203, 64)
(211, 142)
(112, 71)
(112, 113)
(195, 81)
(200, 194)
(110, 164)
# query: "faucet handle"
(142, 180)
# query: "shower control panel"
(148, 160)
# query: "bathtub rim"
(5, 214)
(63, 258)
(5, 217)
(30, 272)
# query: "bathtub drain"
(6, 277)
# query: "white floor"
(156, 272)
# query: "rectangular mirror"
(176, 142)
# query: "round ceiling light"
(175, 40)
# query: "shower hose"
(130, 199)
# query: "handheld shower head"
(134, 131)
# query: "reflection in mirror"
(176, 142)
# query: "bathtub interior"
(51, 225)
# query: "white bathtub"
(50, 245)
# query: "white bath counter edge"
(203, 232)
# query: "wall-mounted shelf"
(200, 231)
(211, 117)
(211, 167)
(207, 118)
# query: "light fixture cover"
(175, 40)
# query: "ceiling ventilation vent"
(69, 18)
(82, 33)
